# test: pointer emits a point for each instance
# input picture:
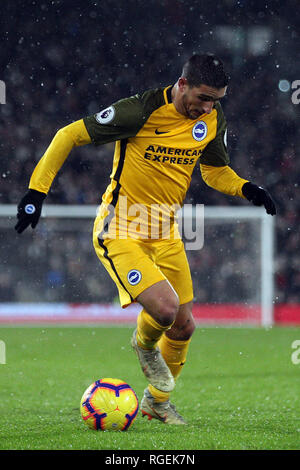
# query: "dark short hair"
(205, 69)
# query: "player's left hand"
(259, 197)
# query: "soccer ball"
(109, 404)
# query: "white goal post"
(267, 237)
(219, 214)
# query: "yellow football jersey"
(156, 151)
(155, 154)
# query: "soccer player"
(160, 135)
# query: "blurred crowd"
(62, 63)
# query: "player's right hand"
(29, 210)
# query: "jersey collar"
(168, 94)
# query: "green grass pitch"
(239, 390)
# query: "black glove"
(29, 209)
(259, 197)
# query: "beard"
(191, 114)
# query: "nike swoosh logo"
(158, 132)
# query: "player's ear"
(182, 83)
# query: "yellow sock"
(148, 330)
(158, 395)
(174, 353)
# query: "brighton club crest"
(200, 130)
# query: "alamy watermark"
(2, 92)
(295, 357)
(2, 352)
(152, 222)
(296, 93)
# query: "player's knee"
(167, 311)
(188, 329)
(183, 330)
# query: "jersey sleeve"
(215, 153)
(64, 141)
(223, 179)
(121, 120)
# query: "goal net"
(52, 274)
